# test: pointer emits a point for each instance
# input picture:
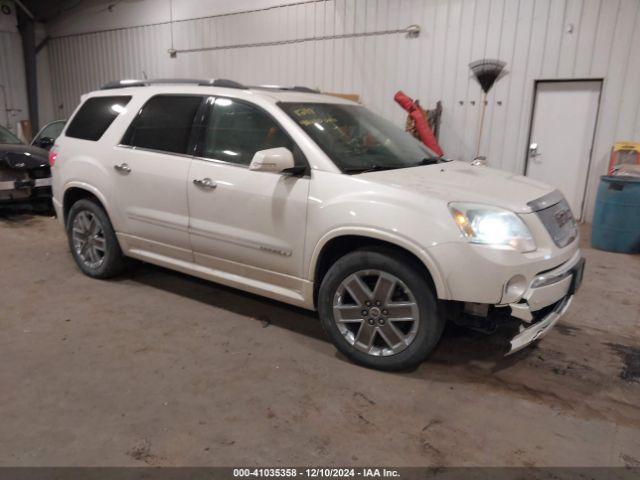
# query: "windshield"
(7, 137)
(356, 139)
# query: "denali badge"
(563, 216)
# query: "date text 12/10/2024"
(315, 472)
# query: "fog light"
(514, 289)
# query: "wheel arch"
(337, 244)
(78, 191)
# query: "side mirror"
(275, 160)
(45, 142)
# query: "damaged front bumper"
(27, 183)
(546, 301)
(25, 190)
(539, 329)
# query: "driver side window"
(235, 131)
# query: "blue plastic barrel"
(616, 221)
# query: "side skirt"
(284, 288)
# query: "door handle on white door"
(123, 167)
(204, 183)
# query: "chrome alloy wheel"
(376, 312)
(88, 239)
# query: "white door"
(151, 193)
(562, 134)
(247, 219)
(245, 222)
(150, 171)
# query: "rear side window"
(164, 123)
(95, 116)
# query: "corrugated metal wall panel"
(533, 36)
(12, 78)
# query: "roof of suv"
(272, 92)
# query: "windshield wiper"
(374, 167)
(427, 161)
(370, 168)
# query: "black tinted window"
(235, 131)
(164, 123)
(95, 116)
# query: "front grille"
(559, 222)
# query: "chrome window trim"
(191, 157)
(221, 162)
(152, 150)
(545, 201)
(207, 99)
(184, 155)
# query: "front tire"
(92, 240)
(379, 310)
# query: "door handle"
(533, 150)
(204, 183)
(123, 167)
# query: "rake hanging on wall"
(486, 72)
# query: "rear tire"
(92, 240)
(379, 310)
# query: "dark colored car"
(25, 175)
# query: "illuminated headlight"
(489, 225)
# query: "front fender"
(350, 205)
(379, 234)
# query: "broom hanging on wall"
(486, 72)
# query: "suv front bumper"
(546, 301)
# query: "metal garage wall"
(537, 38)
(12, 78)
(12, 73)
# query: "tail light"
(52, 156)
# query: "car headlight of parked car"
(489, 225)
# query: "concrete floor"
(162, 369)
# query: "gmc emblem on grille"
(563, 216)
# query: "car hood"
(23, 157)
(460, 182)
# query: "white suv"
(314, 201)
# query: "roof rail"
(304, 89)
(288, 89)
(212, 82)
(222, 82)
